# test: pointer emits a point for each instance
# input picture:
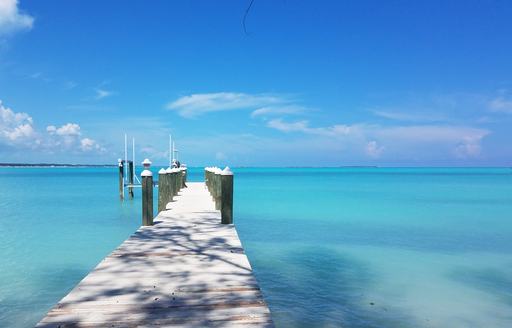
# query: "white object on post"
(146, 173)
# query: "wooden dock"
(186, 270)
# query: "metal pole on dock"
(147, 194)
(121, 178)
(226, 196)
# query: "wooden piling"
(218, 189)
(226, 205)
(207, 181)
(121, 179)
(170, 187)
(162, 190)
(147, 194)
(130, 178)
(176, 181)
(180, 178)
(184, 180)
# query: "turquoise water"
(352, 247)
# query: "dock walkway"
(187, 270)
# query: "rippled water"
(352, 247)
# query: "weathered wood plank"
(187, 270)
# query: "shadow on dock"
(187, 270)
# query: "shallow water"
(352, 247)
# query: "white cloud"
(51, 129)
(278, 110)
(11, 19)
(102, 93)
(70, 129)
(17, 131)
(373, 149)
(501, 104)
(303, 126)
(469, 147)
(410, 116)
(68, 85)
(21, 131)
(87, 145)
(198, 104)
(15, 128)
(460, 141)
(278, 124)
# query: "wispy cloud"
(40, 76)
(303, 126)
(102, 93)
(501, 104)
(410, 116)
(278, 110)
(460, 141)
(36, 75)
(201, 103)
(12, 19)
(68, 85)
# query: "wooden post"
(121, 179)
(226, 196)
(180, 178)
(218, 189)
(162, 190)
(130, 178)
(170, 186)
(184, 182)
(176, 181)
(207, 178)
(147, 194)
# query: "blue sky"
(311, 83)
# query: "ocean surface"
(333, 247)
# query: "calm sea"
(351, 247)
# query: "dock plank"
(187, 270)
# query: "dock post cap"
(146, 173)
(119, 162)
(146, 162)
(226, 171)
(162, 171)
(168, 170)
